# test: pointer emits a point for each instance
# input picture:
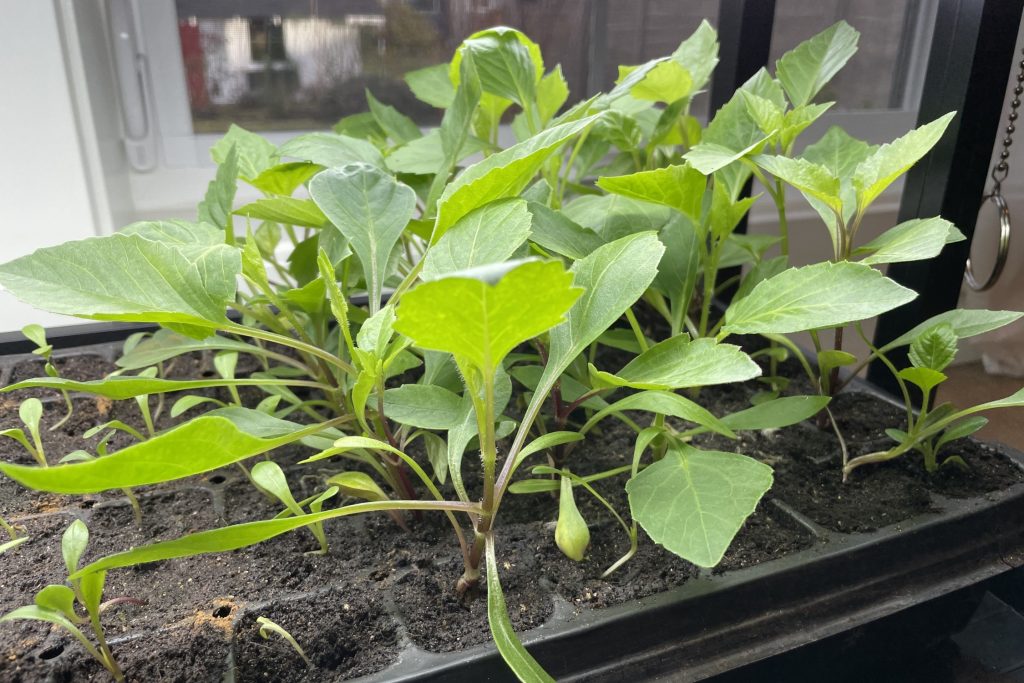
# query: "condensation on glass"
(304, 64)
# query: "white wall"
(45, 197)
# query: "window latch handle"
(132, 72)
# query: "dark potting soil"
(398, 584)
(348, 635)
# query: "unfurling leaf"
(935, 348)
(571, 532)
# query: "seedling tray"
(921, 569)
(718, 622)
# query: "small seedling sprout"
(267, 627)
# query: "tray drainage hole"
(222, 611)
(217, 479)
(54, 651)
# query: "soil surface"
(381, 589)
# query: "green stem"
(637, 332)
(780, 204)
(285, 340)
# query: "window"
(286, 66)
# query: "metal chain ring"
(1001, 254)
(999, 173)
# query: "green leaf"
(776, 413)
(371, 209)
(35, 334)
(663, 403)
(913, 240)
(511, 649)
(694, 502)
(571, 533)
(192, 238)
(1014, 400)
(490, 234)
(358, 485)
(554, 231)
(13, 543)
(127, 277)
(19, 436)
(426, 154)
(766, 114)
(807, 68)
(73, 544)
(960, 429)
(255, 153)
(236, 536)
(311, 297)
(832, 358)
(284, 179)
(122, 387)
(890, 161)
(331, 149)
(797, 120)
(39, 614)
(423, 406)
(501, 175)
(965, 322)
(30, 412)
(612, 278)
(544, 442)
(680, 265)
(679, 187)
(732, 134)
(198, 446)
(552, 92)
(398, 126)
(215, 208)
(508, 63)
(924, 378)
(679, 363)
(166, 344)
(288, 210)
(667, 81)
(256, 423)
(792, 301)
(935, 348)
(838, 152)
(186, 403)
(615, 216)
(269, 476)
(432, 85)
(699, 54)
(457, 123)
(57, 598)
(708, 157)
(483, 323)
(810, 178)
